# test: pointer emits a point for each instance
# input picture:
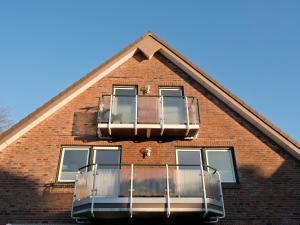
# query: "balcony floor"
(148, 130)
(144, 207)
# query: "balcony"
(148, 116)
(142, 191)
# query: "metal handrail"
(149, 96)
(143, 164)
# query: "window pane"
(123, 108)
(222, 161)
(174, 106)
(125, 91)
(108, 178)
(171, 92)
(188, 178)
(72, 161)
(188, 158)
(107, 157)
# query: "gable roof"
(149, 44)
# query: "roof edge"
(199, 75)
(261, 118)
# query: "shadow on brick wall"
(84, 126)
(26, 201)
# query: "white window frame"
(106, 148)
(189, 150)
(231, 161)
(62, 160)
(124, 88)
(170, 88)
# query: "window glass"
(124, 104)
(173, 106)
(188, 178)
(72, 160)
(171, 92)
(107, 157)
(186, 157)
(222, 161)
(125, 91)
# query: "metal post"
(110, 112)
(221, 196)
(94, 189)
(187, 117)
(168, 192)
(74, 195)
(204, 191)
(131, 192)
(162, 119)
(136, 114)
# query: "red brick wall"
(269, 187)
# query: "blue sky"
(251, 47)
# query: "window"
(72, 159)
(220, 159)
(108, 179)
(123, 111)
(186, 157)
(173, 105)
(107, 155)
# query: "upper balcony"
(148, 116)
(113, 191)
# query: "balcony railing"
(128, 190)
(148, 116)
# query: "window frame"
(129, 87)
(74, 148)
(91, 157)
(189, 150)
(233, 166)
(170, 88)
(103, 148)
(204, 158)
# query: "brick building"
(157, 138)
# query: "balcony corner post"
(136, 115)
(110, 112)
(204, 191)
(74, 195)
(131, 192)
(221, 196)
(162, 119)
(187, 117)
(168, 192)
(94, 189)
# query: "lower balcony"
(142, 191)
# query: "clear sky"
(251, 47)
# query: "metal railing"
(148, 180)
(160, 110)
